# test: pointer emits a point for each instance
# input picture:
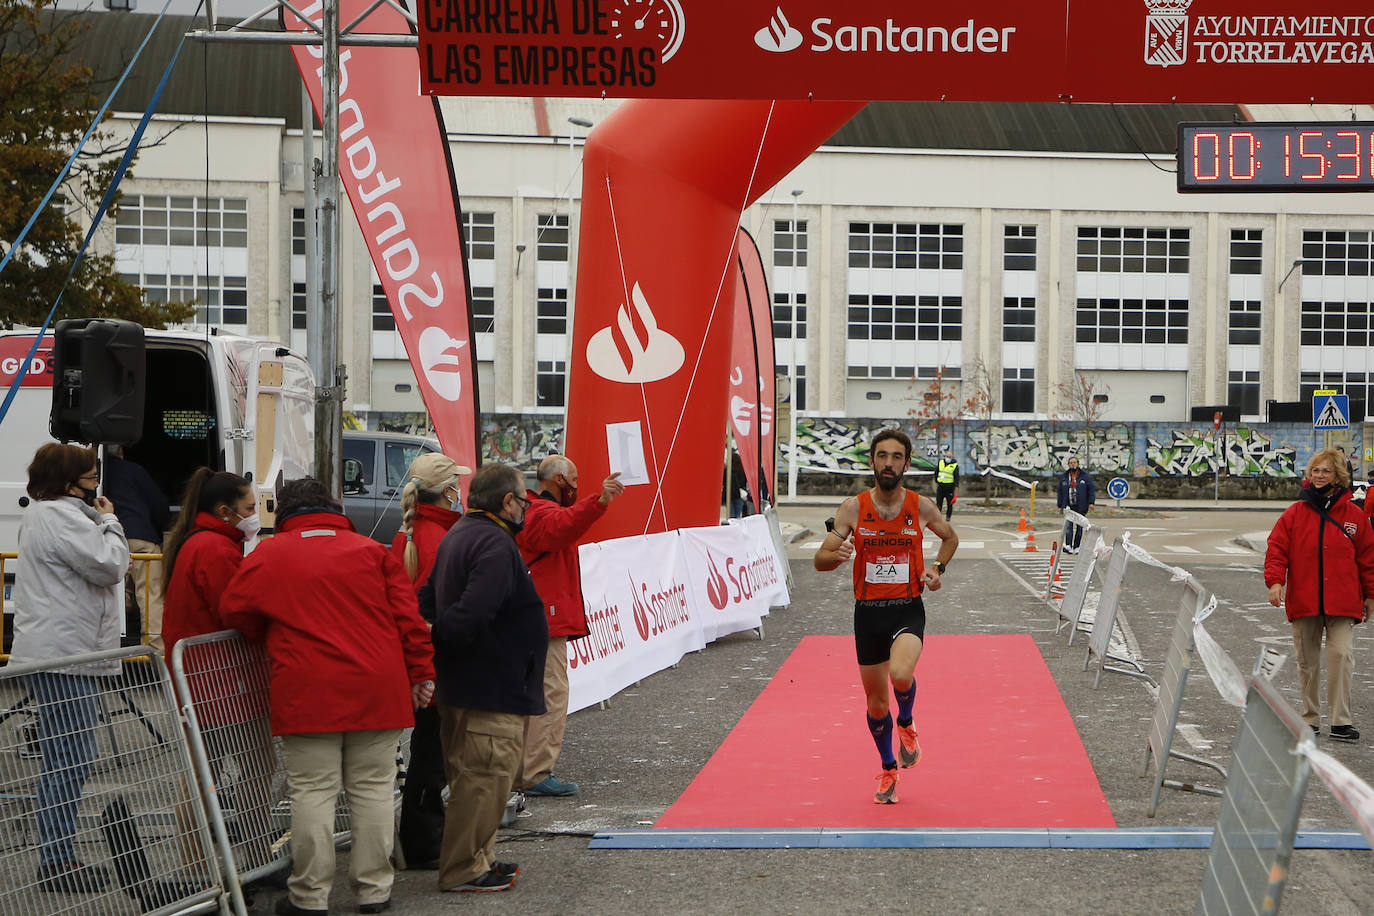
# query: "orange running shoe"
(887, 788)
(909, 754)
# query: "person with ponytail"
(204, 550)
(430, 505)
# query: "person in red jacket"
(350, 661)
(1319, 567)
(204, 550)
(430, 504)
(554, 521)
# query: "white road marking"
(1178, 548)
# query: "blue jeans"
(67, 718)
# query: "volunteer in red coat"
(1319, 567)
(204, 550)
(554, 521)
(350, 660)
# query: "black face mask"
(515, 527)
(87, 495)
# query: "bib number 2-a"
(887, 573)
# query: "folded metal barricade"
(81, 786)
(1192, 607)
(1252, 844)
(1071, 607)
(222, 683)
(1099, 641)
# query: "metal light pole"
(572, 157)
(792, 367)
(323, 324)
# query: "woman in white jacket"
(68, 600)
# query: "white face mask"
(249, 525)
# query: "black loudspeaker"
(98, 381)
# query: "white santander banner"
(651, 599)
(634, 588)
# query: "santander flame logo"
(440, 359)
(641, 612)
(716, 590)
(635, 349)
(742, 414)
(778, 35)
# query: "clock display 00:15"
(1289, 156)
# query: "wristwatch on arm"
(941, 567)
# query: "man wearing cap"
(554, 522)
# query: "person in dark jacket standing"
(548, 543)
(143, 512)
(1076, 492)
(1319, 567)
(349, 664)
(490, 639)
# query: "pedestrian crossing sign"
(1330, 410)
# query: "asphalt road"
(634, 758)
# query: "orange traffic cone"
(1021, 525)
(1030, 539)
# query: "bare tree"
(938, 405)
(1082, 400)
(981, 404)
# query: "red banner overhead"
(978, 50)
(394, 164)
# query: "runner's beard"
(888, 480)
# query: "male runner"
(889, 574)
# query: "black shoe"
(286, 908)
(492, 880)
(1345, 733)
(73, 878)
(1316, 729)
(381, 907)
(506, 868)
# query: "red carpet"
(999, 748)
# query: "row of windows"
(1335, 324)
(1243, 391)
(906, 318)
(1018, 391)
(789, 248)
(1132, 250)
(1337, 254)
(906, 246)
(1132, 321)
(1358, 386)
(1243, 322)
(222, 300)
(1247, 252)
(782, 317)
(160, 220)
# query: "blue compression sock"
(906, 699)
(882, 737)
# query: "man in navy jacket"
(490, 639)
(1076, 492)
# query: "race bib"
(890, 570)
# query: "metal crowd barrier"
(1070, 608)
(222, 683)
(1252, 845)
(1177, 663)
(95, 770)
(1099, 642)
(144, 593)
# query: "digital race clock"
(1296, 156)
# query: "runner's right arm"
(837, 548)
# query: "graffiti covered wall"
(1035, 448)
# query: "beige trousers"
(1340, 669)
(148, 591)
(481, 755)
(317, 766)
(544, 734)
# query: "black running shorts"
(878, 623)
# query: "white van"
(231, 403)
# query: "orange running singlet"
(888, 562)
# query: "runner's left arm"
(934, 520)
